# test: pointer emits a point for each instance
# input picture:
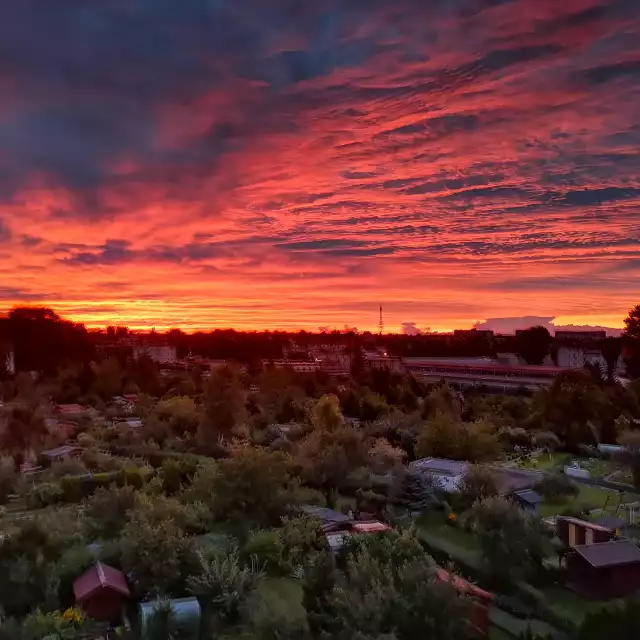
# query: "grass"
(589, 497)
(570, 605)
(433, 523)
(544, 462)
(284, 595)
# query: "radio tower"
(381, 323)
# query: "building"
(482, 372)
(575, 532)
(447, 474)
(102, 592)
(186, 614)
(580, 335)
(529, 501)
(328, 516)
(160, 353)
(60, 453)
(604, 570)
(338, 534)
(71, 410)
(307, 366)
(473, 333)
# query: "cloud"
(412, 329)
(509, 325)
(287, 164)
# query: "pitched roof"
(609, 554)
(529, 496)
(97, 577)
(440, 466)
(322, 513)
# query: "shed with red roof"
(102, 591)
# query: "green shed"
(185, 614)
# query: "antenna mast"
(381, 323)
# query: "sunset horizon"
(278, 165)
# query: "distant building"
(448, 474)
(465, 333)
(580, 335)
(160, 353)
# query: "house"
(70, 410)
(448, 474)
(328, 516)
(480, 599)
(186, 613)
(61, 453)
(64, 429)
(337, 534)
(102, 591)
(529, 501)
(575, 532)
(604, 570)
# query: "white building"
(447, 473)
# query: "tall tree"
(631, 338)
(224, 404)
(534, 344)
(611, 349)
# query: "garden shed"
(186, 614)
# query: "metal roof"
(529, 496)
(440, 465)
(324, 514)
(609, 554)
(370, 527)
(186, 611)
(99, 576)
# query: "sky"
(296, 164)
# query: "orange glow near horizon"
(254, 168)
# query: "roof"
(322, 513)
(99, 576)
(440, 466)
(370, 527)
(337, 540)
(610, 522)
(71, 408)
(609, 554)
(185, 610)
(583, 523)
(529, 496)
(462, 586)
(65, 450)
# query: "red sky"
(288, 164)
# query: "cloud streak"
(285, 164)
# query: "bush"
(44, 495)
(557, 487)
(268, 549)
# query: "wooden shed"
(604, 570)
(102, 591)
(574, 532)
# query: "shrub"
(557, 487)
(268, 549)
(44, 495)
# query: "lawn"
(544, 462)
(434, 523)
(570, 605)
(589, 496)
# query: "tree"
(445, 436)
(156, 553)
(417, 491)
(548, 441)
(180, 413)
(631, 340)
(8, 478)
(326, 415)
(478, 483)
(384, 458)
(630, 456)
(504, 531)
(380, 594)
(253, 486)
(106, 512)
(632, 323)
(164, 624)
(331, 459)
(225, 582)
(611, 349)
(225, 406)
(534, 344)
(109, 378)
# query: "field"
(589, 497)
